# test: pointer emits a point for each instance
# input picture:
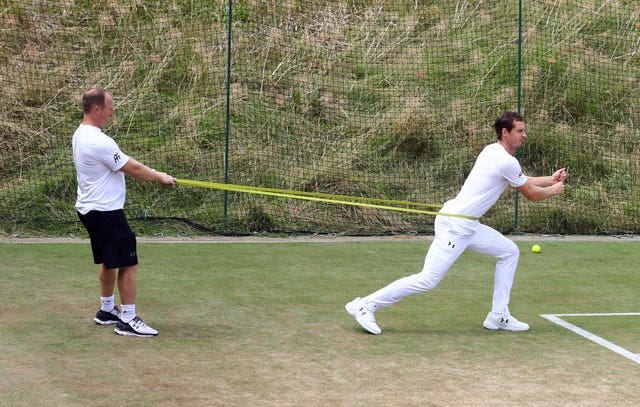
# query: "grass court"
(263, 324)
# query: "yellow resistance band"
(329, 198)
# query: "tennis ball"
(535, 248)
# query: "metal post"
(227, 115)
(517, 206)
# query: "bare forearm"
(141, 172)
(539, 188)
(542, 181)
(548, 181)
(539, 193)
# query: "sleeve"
(512, 172)
(110, 155)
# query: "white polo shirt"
(98, 159)
(495, 170)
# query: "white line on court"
(555, 318)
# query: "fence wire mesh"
(382, 99)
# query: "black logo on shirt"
(116, 157)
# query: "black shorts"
(112, 240)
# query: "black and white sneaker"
(135, 327)
(107, 318)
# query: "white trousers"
(452, 237)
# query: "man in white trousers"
(495, 169)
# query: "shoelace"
(138, 323)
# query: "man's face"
(514, 139)
(103, 113)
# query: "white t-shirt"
(98, 159)
(495, 169)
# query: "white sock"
(107, 303)
(127, 312)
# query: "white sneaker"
(506, 322)
(135, 327)
(364, 317)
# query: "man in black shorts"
(101, 167)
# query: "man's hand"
(166, 179)
(560, 175)
(558, 187)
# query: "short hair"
(506, 121)
(93, 97)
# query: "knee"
(512, 252)
(426, 280)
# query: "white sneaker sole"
(493, 327)
(99, 322)
(129, 333)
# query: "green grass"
(264, 324)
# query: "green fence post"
(227, 114)
(516, 210)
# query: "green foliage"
(553, 150)
(396, 98)
(257, 220)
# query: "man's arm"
(539, 188)
(558, 176)
(141, 172)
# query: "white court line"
(593, 337)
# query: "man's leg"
(108, 313)
(107, 280)
(130, 324)
(443, 252)
(127, 286)
(445, 249)
(491, 242)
